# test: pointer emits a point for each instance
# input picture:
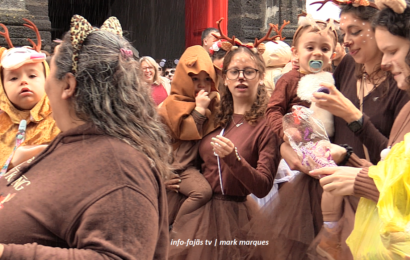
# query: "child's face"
(314, 46)
(25, 86)
(202, 81)
(169, 73)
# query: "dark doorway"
(155, 28)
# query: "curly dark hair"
(396, 24)
(368, 14)
(258, 108)
(111, 95)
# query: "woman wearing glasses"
(160, 87)
(238, 158)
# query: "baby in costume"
(189, 114)
(22, 97)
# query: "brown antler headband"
(355, 3)
(32, 26)
(258, 45)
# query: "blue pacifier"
(315, 65)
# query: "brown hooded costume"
(187, 127)
(177, 109)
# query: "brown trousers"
(197, 191)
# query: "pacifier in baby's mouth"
(315, 65)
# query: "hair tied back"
(126, 53)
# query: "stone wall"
(12, 13)
(250, 18)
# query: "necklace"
(239, 123)
(386, 151)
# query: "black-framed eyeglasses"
(248, 73)
(169, 72)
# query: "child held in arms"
(23, 102)
(189, 113)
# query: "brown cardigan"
(364, 186)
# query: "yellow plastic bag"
(382, 229)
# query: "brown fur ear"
(190, 62)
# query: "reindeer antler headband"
(30, 25)
(355, 3)
(257, 46)
(307, 20)
(14, 58)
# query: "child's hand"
(202, 102)
(24, 153)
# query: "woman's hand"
(337, 104)
(172, 184)
(338, 181)
(338, 153)
(24, 153)
(222, 146)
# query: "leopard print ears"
(398, 6)
(79, 30)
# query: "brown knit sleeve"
(355, 161)
(364, 186)
(199, 120)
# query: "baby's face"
(25, 86)
(202, 81)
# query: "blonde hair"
(153, 63)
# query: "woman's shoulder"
(347, 65)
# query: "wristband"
(349, 151)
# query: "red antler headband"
(355, 3)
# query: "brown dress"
(222, 219)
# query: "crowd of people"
(106, 155)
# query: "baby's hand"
(202, 101)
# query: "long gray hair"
(111, 95)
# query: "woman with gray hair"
(160, 86)
(96, 191)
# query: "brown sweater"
(283, 97)
(364, 186)
(258, 148)
(87, 196)
(380, 108)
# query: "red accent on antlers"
(222, 35)
(32, 26)
(6, 35)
